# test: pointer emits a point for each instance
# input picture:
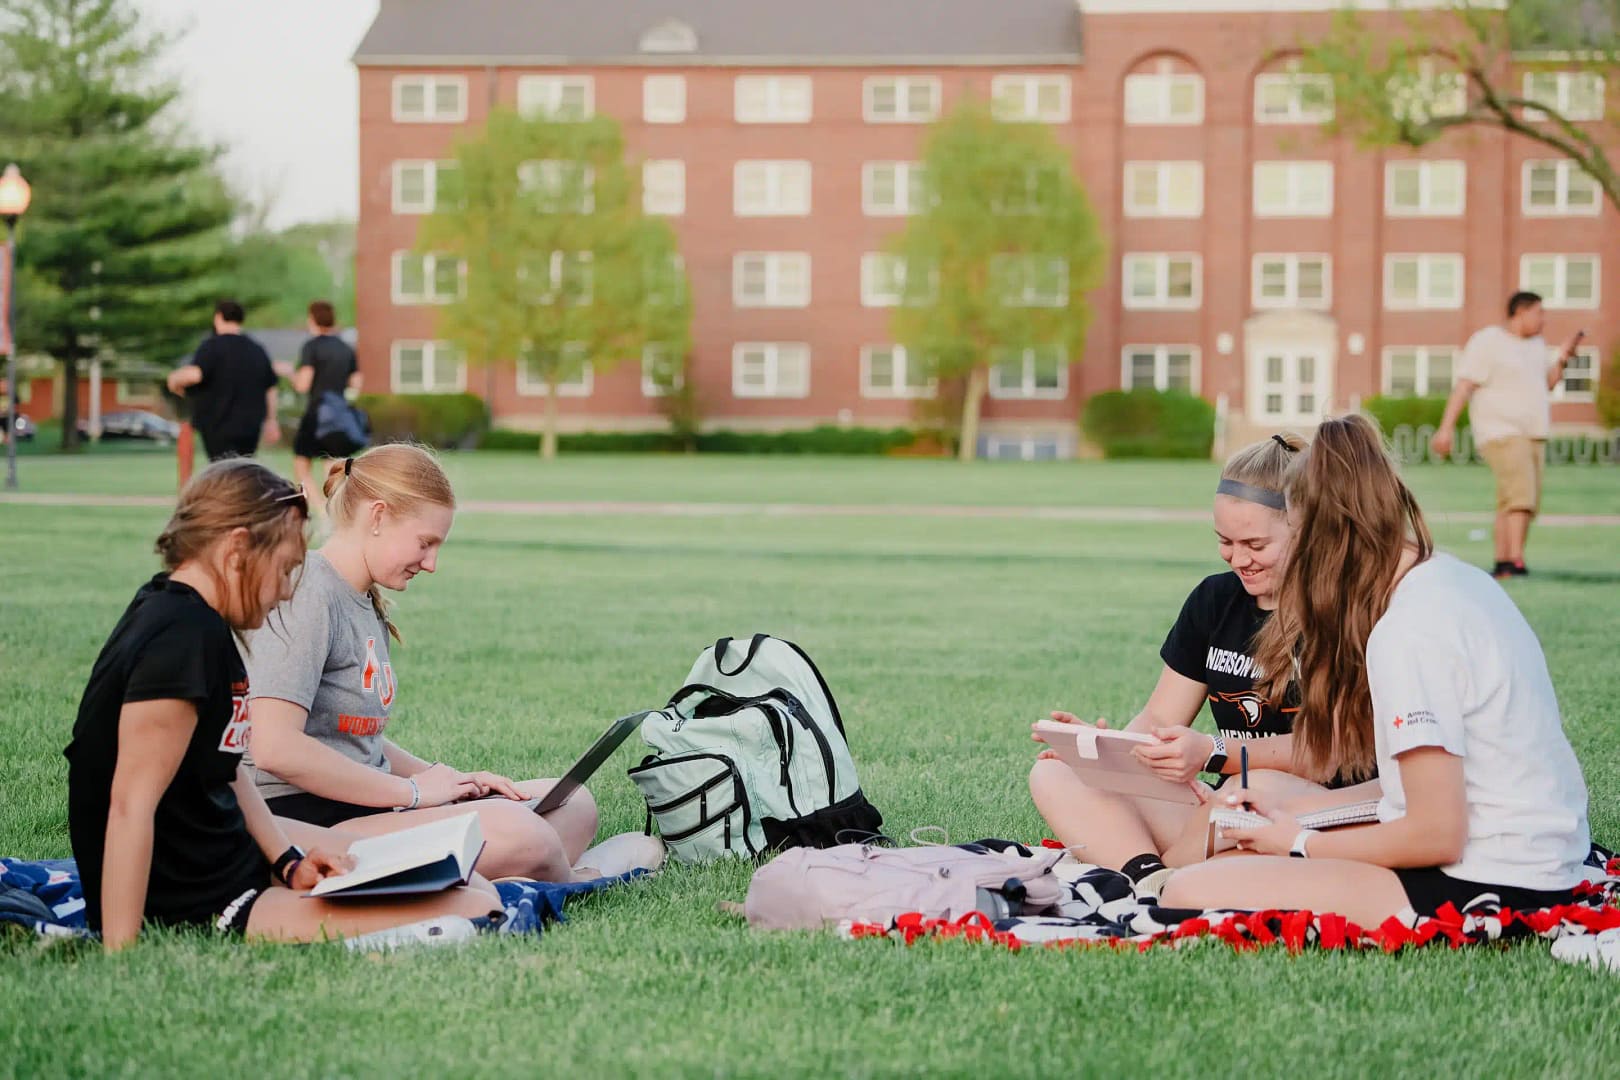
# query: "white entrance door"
(1291, 384)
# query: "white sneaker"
(621, 854)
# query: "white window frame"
(1567, 171)
(1002, 267)
(546, 176)
(529, 386)
(1424, 301)
(430, 362)
(1161, 115)
(773, 352)
(776, 176)
(663, 99)
(430, 276)
(1017, 98)
(774, 109)
(1291, 261)
(430, 184)
(908, 177)
(901, 388)
(1294, 207)
(1161, 366)
(1162, 206)
(1161, 300)
(1028, 391)
(902, 85)
(555, 264)
(1563, 95)
(1426, 207)
(650, 388)
(1294, 83)
(1594, 357)
(774, 262)
(1028, 447)
(873, 277)
(1556, 298)
(1321, 386)
(1435, 95)
(1423, 357)
(668, 201)
(544, 94)
(430, 97)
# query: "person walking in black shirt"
(326, 365)
(167, 824)
(232, 388)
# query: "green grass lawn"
(941, 638)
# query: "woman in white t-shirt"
(324, 687)
(1481, 791)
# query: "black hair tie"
(1282, 442)
(348, 465)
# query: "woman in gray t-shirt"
(323, 686)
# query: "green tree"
(559, 269)
(1531, 68)
(279, 273)
(996, 268)
(127, 244)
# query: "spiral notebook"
(1335, 817)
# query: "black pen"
(1243, 767)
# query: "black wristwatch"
(1217, 758)
(282, 868)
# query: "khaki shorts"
(1518, 463)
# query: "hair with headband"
(1257, 472)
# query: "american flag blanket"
(1104, 910)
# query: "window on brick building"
(772, 99)
(1038, 372)
(1427, 93)
(1425, 188)
(901, 99)
(1039, 99)
(1162, 281)
(1164, 97)
(421, 187)
(1574, 95)
(532, 362)
(1293, 281)
(663, 99)
(663, 188)
(1159, 367)
(1563, 281)
(1293, 98)
(1414, 282)
(1030, 280)
(427, 279)
(767, 369)
(771, 279)
(657, 379)
(426, 367)
(430, 99)
(886, 281)
(1293, 188)
(550, 276)
(889, 371)
(771, 188)
(560, 97)
(1164, 189)
(1580, 377)
(562, 187)
(1419, 370)
(892, 188)
(1560, 189)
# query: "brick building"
(1255, 260)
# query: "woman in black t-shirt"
(166, 827)
(1207, 657)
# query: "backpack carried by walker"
(806, 890)
(750, 755)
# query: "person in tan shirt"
(1506, 381)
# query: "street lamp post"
(14, 198)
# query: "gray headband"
(1249, 493)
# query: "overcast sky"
(271, 79)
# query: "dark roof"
(784, 32)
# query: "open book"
(1359, 813)
(427, 858)
(1103, 759)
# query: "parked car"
(25, 426)
(134, 424)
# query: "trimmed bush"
(1150, 424)
(821, 440)
(1413, 412)
(446, 421)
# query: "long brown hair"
(1353, 517)
(229, 495)
(403, 477)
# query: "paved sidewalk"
(1137, 514)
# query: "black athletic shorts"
(218, 446)
(1430, 889)
(231, 917)
(304, 444)
(318, 810)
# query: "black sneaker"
(1518, 570)
(1502, 570)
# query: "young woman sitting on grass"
(324, 687)
(1207, 655)
(1422, 665)
(167, 825)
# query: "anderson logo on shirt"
(377, 679)
(1227, 662)
(235, 738)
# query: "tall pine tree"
(127, 244)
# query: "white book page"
(379, 857)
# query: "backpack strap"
(724, 643)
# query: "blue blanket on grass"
(46, 898)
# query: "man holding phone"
(1506, 381)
